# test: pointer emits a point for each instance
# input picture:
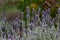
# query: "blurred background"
(8, 7)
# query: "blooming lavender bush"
(36, 29)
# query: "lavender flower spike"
(28, 9)
(39, 11)
(59, 10)
(5, 19)
(33, 11)
(16, 19)
(43, 12)
(28, 14)
(48, 10)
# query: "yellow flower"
(33, 5)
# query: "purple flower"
(36, 17)
(59, 10)
(45, 25)
(43, 13)
(31, 25)
(16, 23)
(43, 16)
(9, 35)
(47, 11)
(43, 20)
(16, 19)
(48, 17)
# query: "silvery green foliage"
(41, 33)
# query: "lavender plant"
(44, 31)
